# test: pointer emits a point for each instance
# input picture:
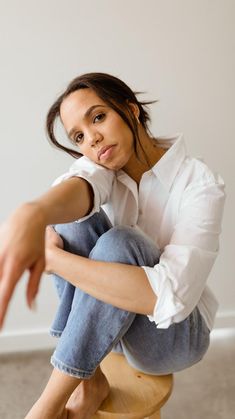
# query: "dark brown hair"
(114, 92)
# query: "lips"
(103, 150)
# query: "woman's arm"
(124, 286)
(66, 202)
(22, 236)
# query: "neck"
(148, 154)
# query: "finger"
(50, 229)
(51, 233)
(9, 279)
(34, 281)
(53, 238)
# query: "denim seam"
(115, 340)
(85, 374)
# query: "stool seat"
(133, 394)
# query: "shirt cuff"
(167, 304)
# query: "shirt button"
(140, 212)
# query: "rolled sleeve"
(100, 179)
(179, 278)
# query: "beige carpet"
(205, 391)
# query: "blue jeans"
(88, 329)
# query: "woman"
(131, 276)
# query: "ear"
(134, 108)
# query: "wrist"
(35, 210)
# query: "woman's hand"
(52, 242)
(22, 247)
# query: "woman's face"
(98, 131)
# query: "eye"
(78, 138)
(99, 117)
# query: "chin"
(116, 165)
(113, 165)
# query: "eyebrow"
(86, 115)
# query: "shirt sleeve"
(179, 278)
(99, 177)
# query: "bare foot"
(88, 396)
(37, 412)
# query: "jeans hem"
(55, 333)
(73, 372)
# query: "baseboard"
(26, 340)
(39, 339)
(225, 320)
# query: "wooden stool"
(133, 394)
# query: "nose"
(94, 138)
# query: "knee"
(120, 244)
(69, 233)
(80, 237)
(67, 230)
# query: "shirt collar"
(167, 167)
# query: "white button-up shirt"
(179, 205)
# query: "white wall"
(180, 52)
